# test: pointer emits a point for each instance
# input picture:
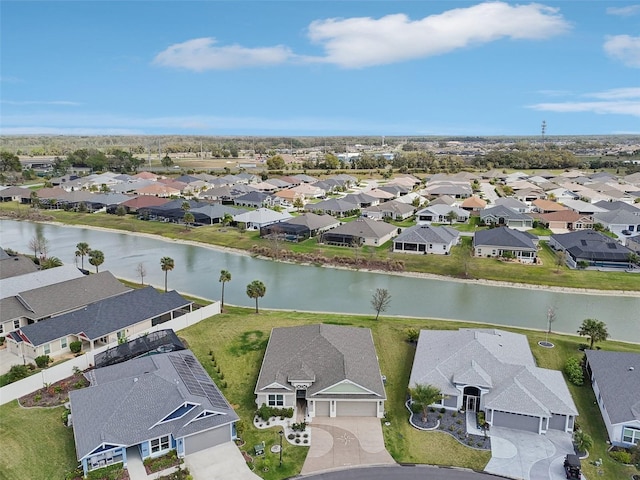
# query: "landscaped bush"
(299, 426)
(76, 346)
(621, 456)
(112, 472)
(15, 373)
(573, 370)
(160, 463)
(412, 335)
(265, 412)
(43, 361)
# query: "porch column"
(539, 425)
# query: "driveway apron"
(345, 442)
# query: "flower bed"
(55, 394)
(455, 424)
(153, 465)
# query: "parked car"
(572, 466)
(626, 232)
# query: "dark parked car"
(572, 466)
(626, 232)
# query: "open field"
(457, 265)
(237, 339)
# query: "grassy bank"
(460, 264)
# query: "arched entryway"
(471, 399)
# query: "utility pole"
(544, 130)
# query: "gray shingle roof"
(313, 221)
(329, 353)
(40, 278)
(12, 266)
(496, 359)
(365, 228)
(428, 234)
(592, 245)
(126, 401)
(62, 297)
(505, 212)
(505, 237)
(619, 384)
(106, 316)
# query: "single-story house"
(501, 215)
(493, 371)
(256, 199)
(565, 220)
(440, 213)
(618, 220)
(104, 322)
(393, 209)
(590, 248)
(322, 371)
(362, 200)
(498, 242)
(147, 407)
(14, 266)
(423, 239)
(547, 206)
(584, 208)
(46, 301)
(256, 219)
(335, 207)
(362, 231)
(12, 286)
(473, 204)
(301, 227)
(615, 378)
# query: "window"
(160, 444)
(1, 328)
(179, 412)
(16, 324)
(276, 400)
(63, 343)
(631, 435)
(47, 349)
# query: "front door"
(472, 403)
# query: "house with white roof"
(256, 219)
(493, 371)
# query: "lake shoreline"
(431, 276)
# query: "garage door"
(515, 421)
(208, 439)
(356, 409)
(322, 409)
(557, 422)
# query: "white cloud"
(617, 101)
(202, 54)
(624, 48)
(627, 11)
(363, 42)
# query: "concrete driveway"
(345, 442)
(528, 456)
(222, 462)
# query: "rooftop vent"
(631, 369)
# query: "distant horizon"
(273, 68)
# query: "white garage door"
(322, 409)
(356, 409)
(515, 421)
(208, 439)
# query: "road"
(421, 472)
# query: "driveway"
(222, 462)
(528, 456)
(8, 360)
(345, 442)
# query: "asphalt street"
(421, 472)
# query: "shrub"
(15, 373)
(621, 456)
(443, 410)
(43, 361)
(76, 346)
(573, 370)
(65, 416)
(1, 340)
(291, 436)
(412, 335)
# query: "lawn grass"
(238, 338)
(35, 444)
(457, 264)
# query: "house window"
(276, 400)
(631, 435)
(63, 343)
(16, 324)
(47, 349)
(1, 328)
(160, 444)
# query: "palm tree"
(256, 289)
(582, 440)
(82, 249)
(424, 395)
(96, 258)
(167, 264)
(225, 276)
(596, 330)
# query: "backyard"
(234, 343)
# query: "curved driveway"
(421, 472)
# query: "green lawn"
(238, 338)
(453, 265)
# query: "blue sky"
(320, 67)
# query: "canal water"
(320, 289)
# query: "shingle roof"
(618, 377)
(62, 297)
(332, 205)
(496, 359)
(592, 245)
(365, 228)
(505, 237)
(505, 212)
(37, 279)
(125, 402)
(313, 221)
(428, 234)
(106, 316)
(329, 353)
(12, 266)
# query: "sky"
(320, 68)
